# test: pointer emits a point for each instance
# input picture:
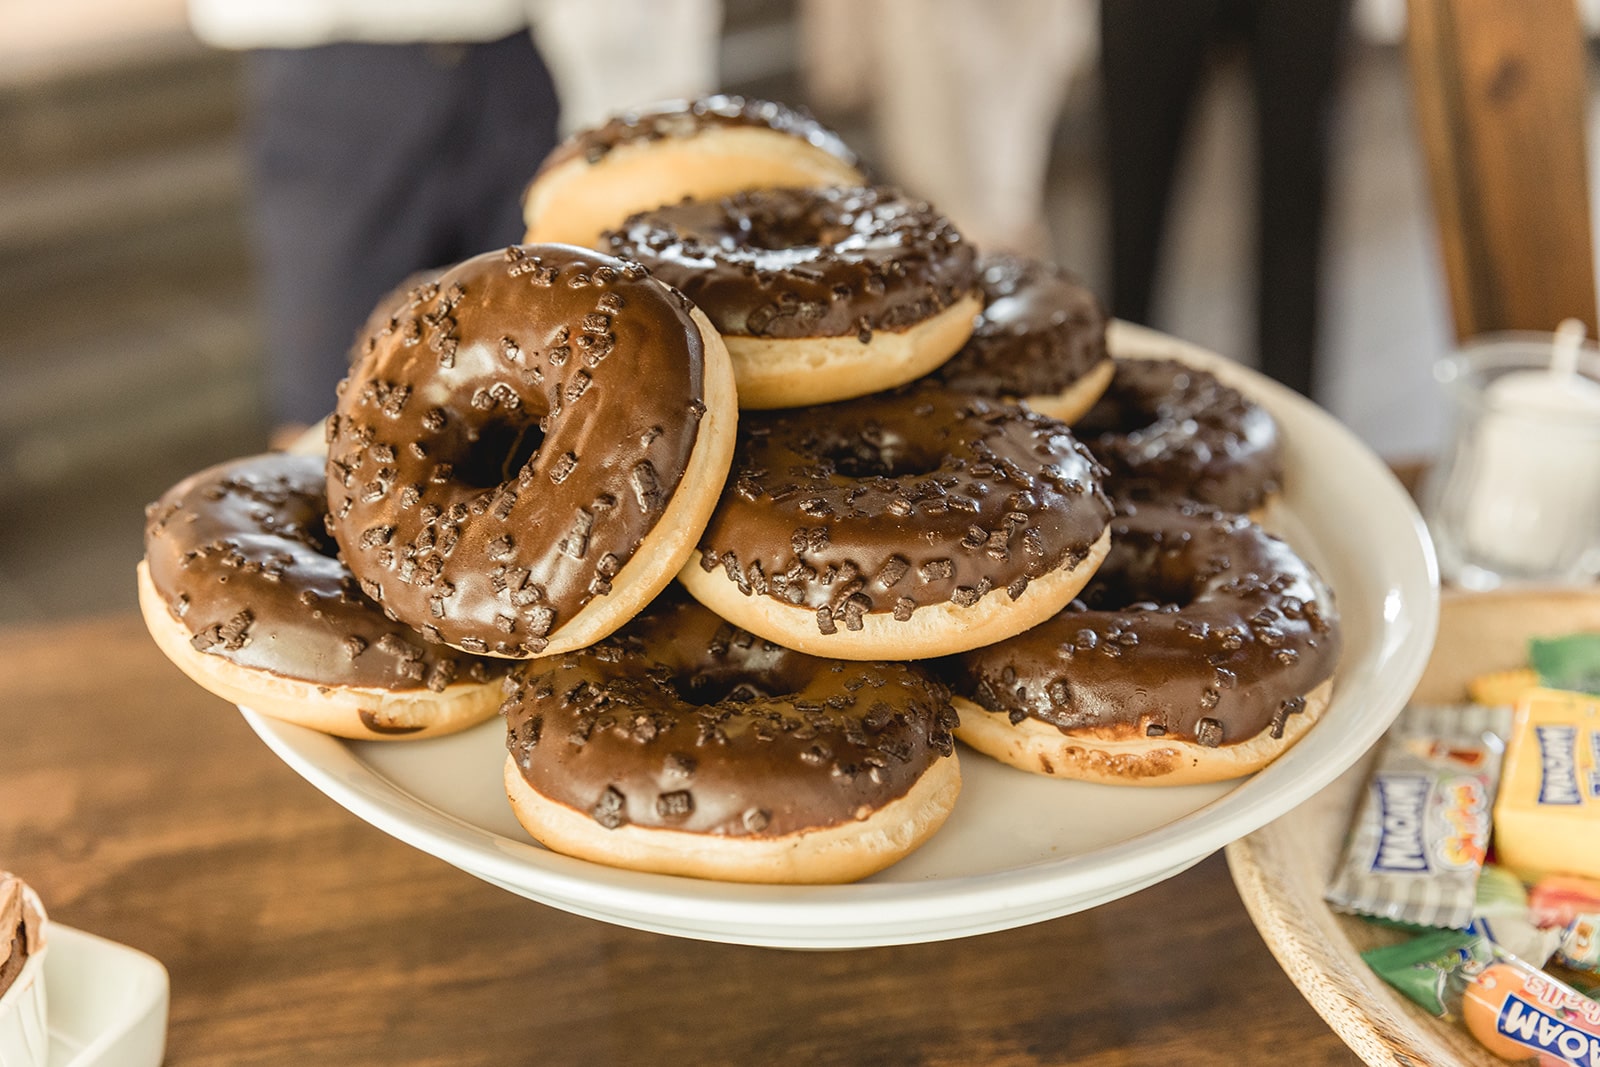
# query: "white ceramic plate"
(1019, 848)
(108, 1002)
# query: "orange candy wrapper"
(1514, 1009)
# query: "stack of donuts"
(741, 490)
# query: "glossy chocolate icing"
(1166, 430)
(1040, 331)
(685, 118)
(241, 558)
(387, 313)
(901, 500)
(1198, 626)
(794, 263)
(682, 721)
(503, 449)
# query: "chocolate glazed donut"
(683, 745)
(524, 456)
(1041, 339)
(1169, 431)
(909, 524)
(1201, 650)
(659, 155)
(242, 588)
(820, 294)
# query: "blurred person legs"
(837, 49)
(1153, 53)
(609, 55)
(967, 99)
(1294, 58)
(373, 161)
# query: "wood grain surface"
(1500, 94)
(144, 810)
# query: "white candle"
(1534, 502)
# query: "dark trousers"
(370, 162)
(1153, 53)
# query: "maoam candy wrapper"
(1579, 948)
(1422, 826)
(1547, 817)
(1516, 1011)
(1572, 907)
(1502, 914)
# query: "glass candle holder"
(1515, 496)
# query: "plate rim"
(881, 913)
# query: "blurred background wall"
(130, 339)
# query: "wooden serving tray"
(1282, 869)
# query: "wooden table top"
(143, 809)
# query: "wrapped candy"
(1422, 827)
(1513, 1009)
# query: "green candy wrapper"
(1425, 967)
(1513, 1009)
(1571, 662)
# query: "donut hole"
(1130, 406)
(498, 450)
(874, 453)
(778, 224)
(707, 688)
(1120, 587)
(1116, 416)
(315, 536)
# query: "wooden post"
(1501, 99)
